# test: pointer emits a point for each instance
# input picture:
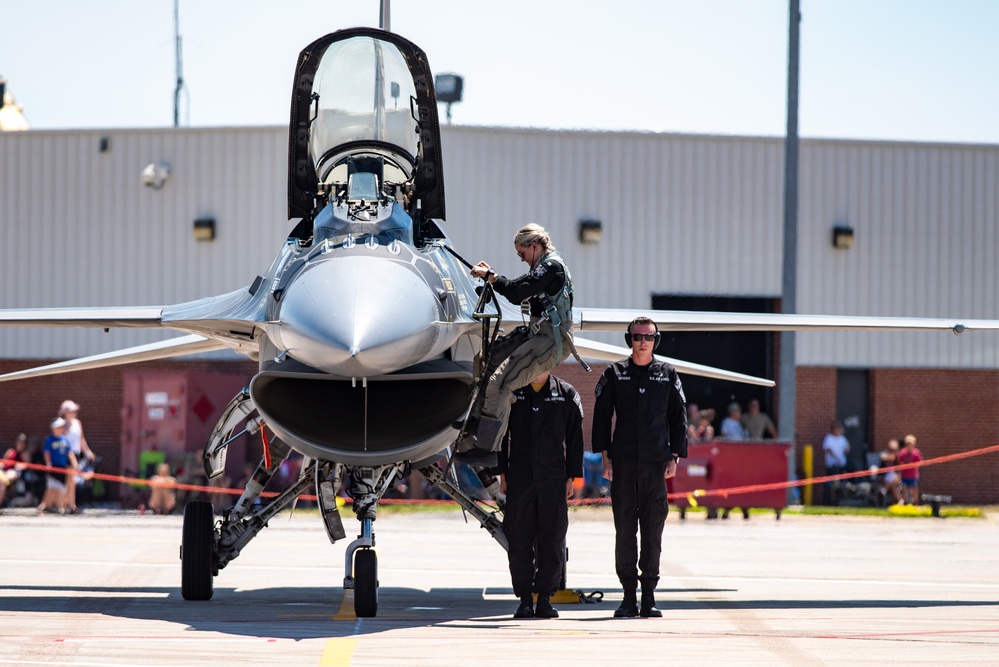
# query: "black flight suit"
(543, 450)
(651, 428)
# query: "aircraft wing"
(612, 319)
(100, 318)
(174, 347)
(214, 323)
(605, 352)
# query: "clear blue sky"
(924, 70)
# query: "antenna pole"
(180, 76)
(384, 20)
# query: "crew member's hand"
(670, 469)
(483, 270)
(569, 491)
(502, 483)
(608, 472)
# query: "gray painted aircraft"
(366, 324)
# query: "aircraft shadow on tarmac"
(311, 612)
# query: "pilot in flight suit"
(547, 289)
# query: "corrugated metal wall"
(681, 215)
(79, 228)
(926, 226)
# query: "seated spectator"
(731, 428)
(890, 482)
(756, 423)
(192, 472)
(58, 454)
(162, 496)
(10, 472)
(700, 429)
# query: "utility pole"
(180, 76)
(786, 385)
(384, 20)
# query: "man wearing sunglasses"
(649, 435)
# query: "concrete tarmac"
(104, 589)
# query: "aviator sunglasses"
(637, 337)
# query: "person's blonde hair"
(533, 233)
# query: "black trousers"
(638, 499)
(535, 520)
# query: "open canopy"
(359, 95)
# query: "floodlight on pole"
(448, 88)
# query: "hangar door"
(750, 352)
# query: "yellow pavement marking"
(346, 610)
(338, 652)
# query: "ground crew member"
(525, 353)
(650, 434)
(539, 460)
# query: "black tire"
(365, 583)
(197, 560)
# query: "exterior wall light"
(590, 231)
(842, 237)
(204, 229)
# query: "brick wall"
(948, 410)
(584, 383)
(815, 411)
(28, 406)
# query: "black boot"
(477, 458)
(526, 608)
(545, 608)
(649, 605)
(629, 605)
(482, 454)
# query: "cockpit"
(363, 95)
(364, 128)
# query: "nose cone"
(358, 316)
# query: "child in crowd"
(58, 454)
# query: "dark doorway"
(852, 412)
(750, 352)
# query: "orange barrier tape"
(699, 493)
(136, 481)
(732, 491)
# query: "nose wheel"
(366, 583)
(197, 551)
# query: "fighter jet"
(366, 323)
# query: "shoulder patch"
(600, 385)
(539, 270)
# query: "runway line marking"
(908, 634)
(346, 610)
(338, 652)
